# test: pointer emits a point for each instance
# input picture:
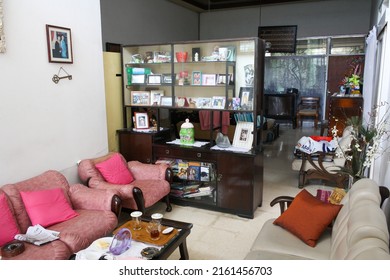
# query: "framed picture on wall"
(59, 44)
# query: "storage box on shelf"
(212, 79)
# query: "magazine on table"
(38, 235)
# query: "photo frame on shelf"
(154, 79)
(167, 79)
(166, 101)
(203, 102)
(155, 97)
(223, 79)
(138, 79)
(209, 79)
(196, 78)
(246, 98)
(243, 135)
(59, 44)
(234, 103)
(140, 98)
(161, 57)
(218, 102)
(141, 120)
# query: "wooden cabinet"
(340, 109)
(138, 145)
(216, 77)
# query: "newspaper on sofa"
(38, 235)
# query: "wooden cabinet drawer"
(183, 153)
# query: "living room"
(49, 125)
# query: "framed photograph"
(209, 79)
(243, 135)
(141, 120)
(140, 98)
(59, 44)
(196, 78)
(234, 103)
(203, 102)
(166, 78)
(138, 79)
(154, 79)
(218, 102)
(155, 97)
(246, 98)
(223, 79)
(166, 101)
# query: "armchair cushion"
(47, 207)
(8, 226)
(115, 171)
(307, 217)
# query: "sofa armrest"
(147, 171)
(284, 202)
(83, 197)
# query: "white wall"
(46, 125)
(325, 18)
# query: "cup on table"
(155, 226)
(136, 218)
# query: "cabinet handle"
(199, 155)
(167, 152)
(219, 177)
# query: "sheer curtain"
(369, 71)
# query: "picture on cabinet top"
(59, 44)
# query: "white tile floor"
(221, 236)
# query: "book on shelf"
(182, 167)
(202, 191)
(205, 172)
(193, 170)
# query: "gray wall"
(146, 21)
(158, 21)
(325, 18)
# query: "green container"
(187, 133)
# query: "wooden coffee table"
(179, 240)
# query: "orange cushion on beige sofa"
(307, 217)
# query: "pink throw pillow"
(47, 207)
(115, 171)
(8, 226)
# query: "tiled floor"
(221, 236)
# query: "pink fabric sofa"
(96, 210)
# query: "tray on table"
(143, 235)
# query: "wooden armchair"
(323, 165)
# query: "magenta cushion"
(47, 207)
(8, 226)
(115, 171)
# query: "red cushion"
(47, 207)
(307, 217)
(115, 171)
(8, 226)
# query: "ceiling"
(210, 5)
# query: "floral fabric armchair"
(148, 183)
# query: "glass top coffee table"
(165, 246)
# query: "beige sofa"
(359, 232)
